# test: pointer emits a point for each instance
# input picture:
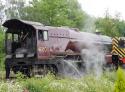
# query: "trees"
(111, 26)
(1, 11)
(55, 13)
(12, 8)
(63, 13)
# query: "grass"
(88, 83)
(10, 86)
(50, 83)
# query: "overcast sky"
(97, 8)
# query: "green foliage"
(2, 58)
(111, 76)
(86, 84)
(38, 85)
(111, 26)
(1, 49)
(50, 83)
(20, 76)
(1, 12)
(120, 82)
(1, 41)
(55, 13)
(12, 10)
(2, 75)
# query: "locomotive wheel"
(53, 69)
(23, 69)
(38, 70)
(42, 70)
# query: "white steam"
(93, 55)
(94, 59)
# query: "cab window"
(9, 36)
(15, 38)
(43, 35)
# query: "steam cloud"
(94, 58)
(93, 55)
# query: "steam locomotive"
(32, 47)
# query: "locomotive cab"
(19, 44)
(22, 40)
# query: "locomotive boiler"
(32, 47)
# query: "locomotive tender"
(31, 45)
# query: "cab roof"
(22, 24)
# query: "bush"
(120, 82)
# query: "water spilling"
(71, 69)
